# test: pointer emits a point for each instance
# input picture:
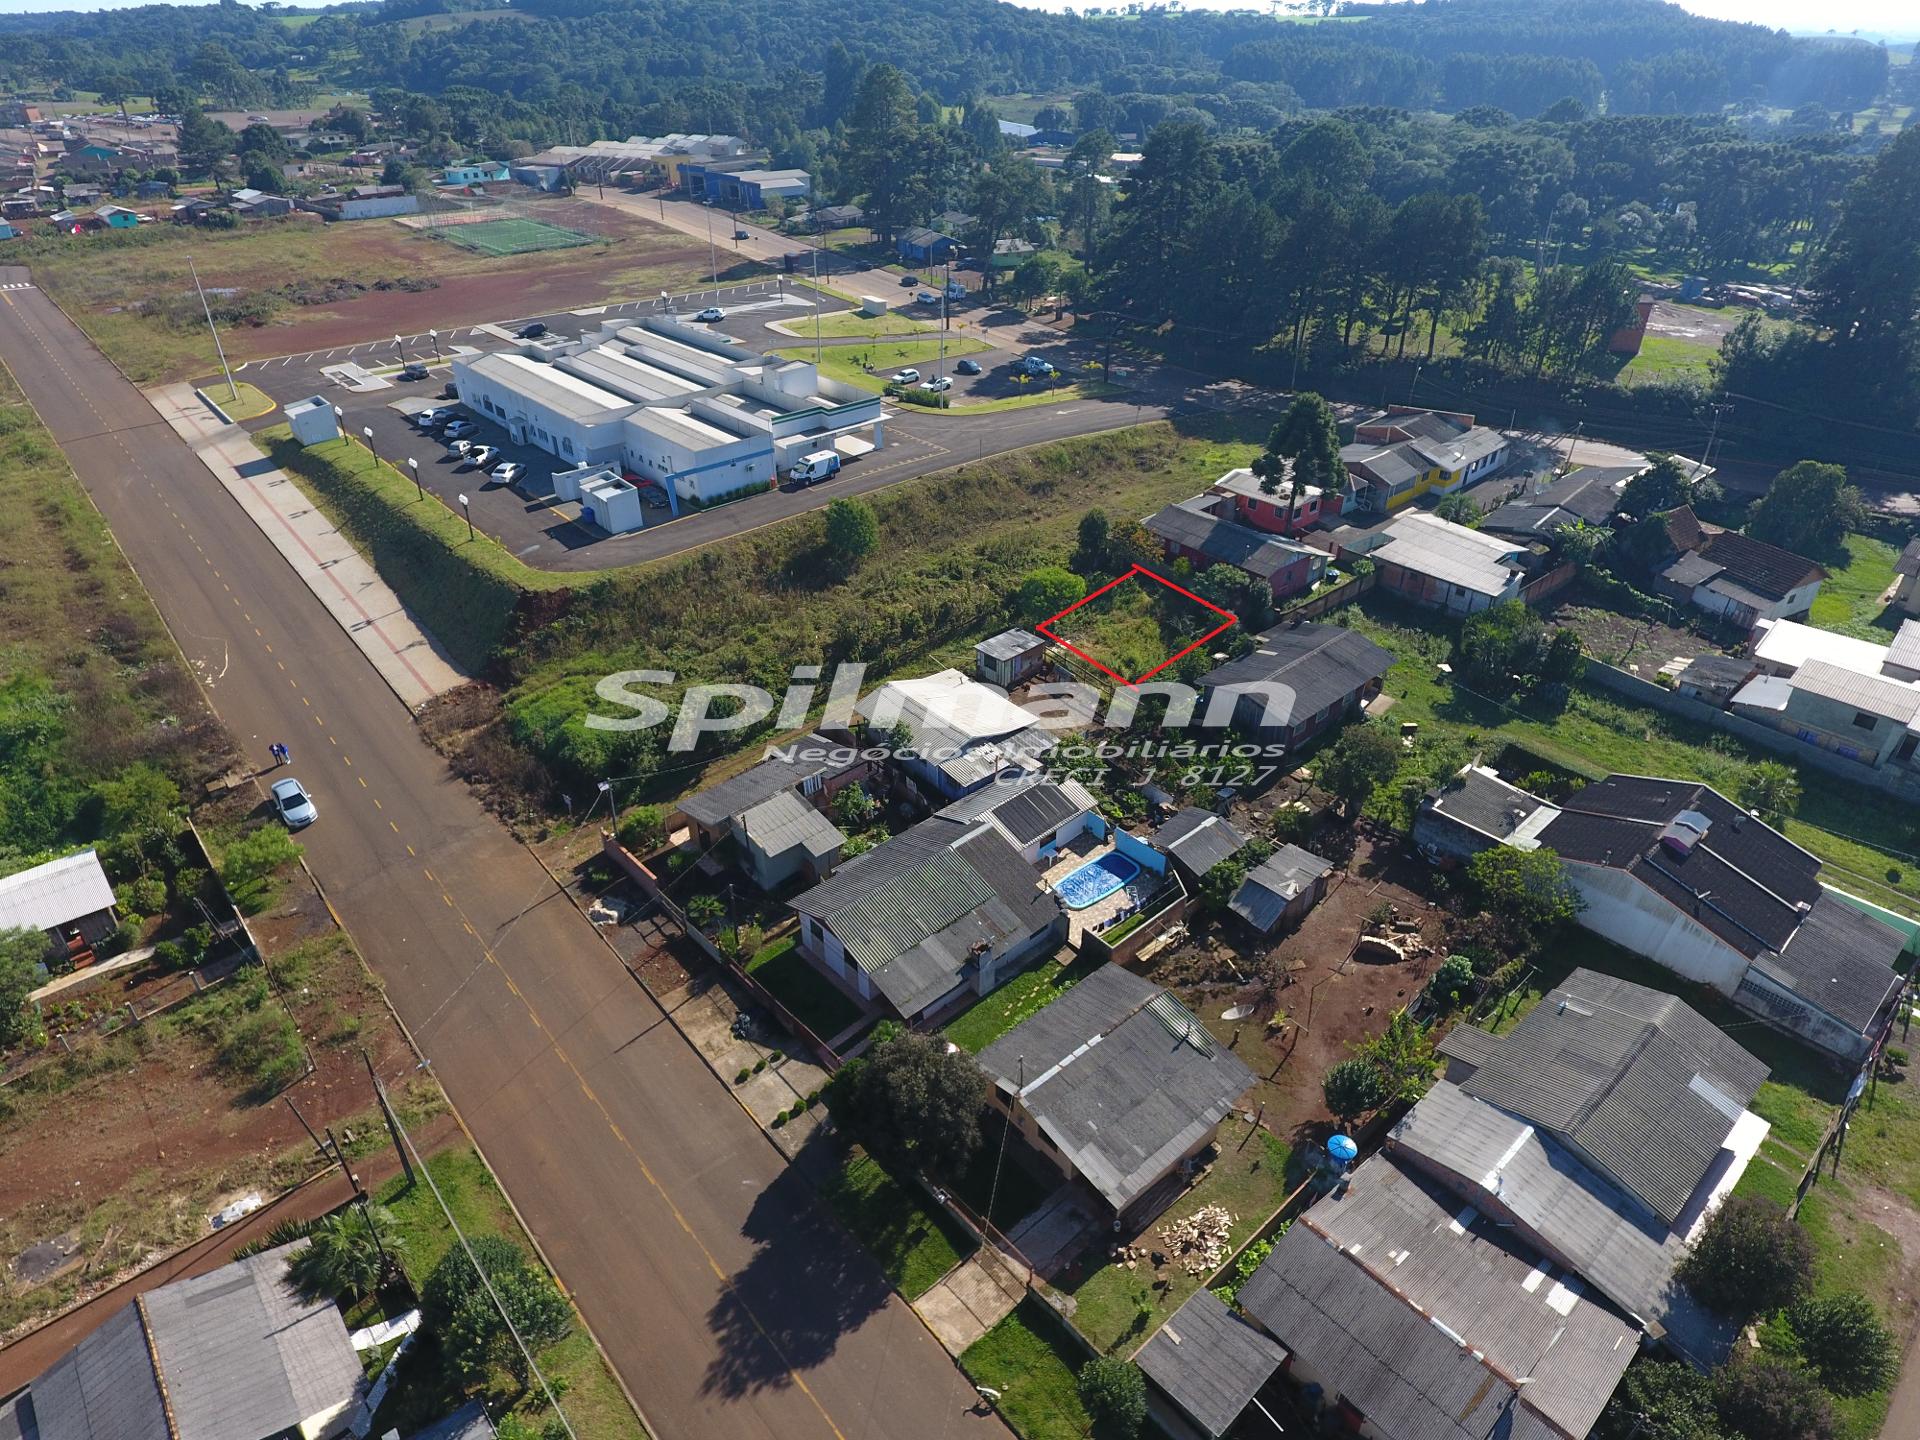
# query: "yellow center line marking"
(363, 781)
(393, 827)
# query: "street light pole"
(466, 509)
(233, 391)
(713, 256)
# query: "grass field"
(914, 1242)
(1053, 395)
(1849, 598)
(1666, 357)
(852, 325)
(986, 1021)
(241, 402)
(514, 235)
(845, 362)
(813, 998)
(590, 1395)
(1032, 1365)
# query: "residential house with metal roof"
(1435, 563)
(1674, 871)
(1406, 452)
(1873, 719)
(1035, 814)
(1587, 496)
(1296, 682)
(1119, 1085)
(1211, 1364)
(231, 1355)
(1204, 531)
(1196, 840)
(1418, 1317)
(69, 898)
(940, 914)
(775, 812)
(1289, 508)
(961, 734)
(1906, 569)
(1472, 811)
(1734, 576)
(1010, 658)
(1281, 889)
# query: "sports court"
(511, 235)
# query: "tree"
(1352, 1088)
(706, 911)
(1090, 553)
(1007, 193)
(1045, 592)
(1403, 1054)
(1503, 644)
(1452, 980)
(1115, 1394)
(916, 1105)
(140, 807)
(853, 532)
(1582, 543)
(885, 152)
(1846, 1342)
(1661, 1400)
(1365, 756)
(854, 808)
(1305, 443)
(474, 1337)
(1459, 508)
(1750, 1260)
(341, 1258)
(203, 142)
(22, 951)
(1231, 588)
(1764, 1398)
(252, 860)
(1564, 660)
(1809, 509)
(1664, 485)
(1771, 788)
(1528, 889)
(1867, 285)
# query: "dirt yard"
(125, 1149)
(1623, 640)
(1325, 998)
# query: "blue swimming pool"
(1095, 880)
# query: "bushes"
(1751, 1259)
(1354, 1087)
(1846, 1342)
(474, 1338)
(1115, 1394)
(250, 863)
(642, 828)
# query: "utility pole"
(1719, 408)
(817, 307)
(233, 392)
(386, 1113)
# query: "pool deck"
(1083, 851)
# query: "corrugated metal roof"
(1024, 806)
(1904, 653)
(1276, 883)
(564, 394)
(802, 760)
(1528, 1316)
(1789, 645)
(1311, 667)
(1411, 1379)
(1198, 838)
(1428, 545)
(1121, 1077)
(1481, 800)
(102, 1389)
(1209, 1361)
(48, 896)
(1225, 541)
(1891, 699)
(779, 823)
(1840, 961)
(1633, 1078)
(1009, 645)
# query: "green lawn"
(1004, 1182)
(851, 324)
(1057, 395)
(844, 362)
(992, 1016)
(912, 1239)
(241, 402)
(1849, 598)
(1667, 357)
(1032, 1365)
(1117, 1308)
(592, 1399)
(1858, 833)
(815, 1000)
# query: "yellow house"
(1405, 453)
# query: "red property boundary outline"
(1228, 623)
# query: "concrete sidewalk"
(407, 657)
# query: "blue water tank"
(1343, 1150)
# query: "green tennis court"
(514, 235)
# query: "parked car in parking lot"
(427, 419)
(906, 377)
(909, 280)
(293, 802)
(709, 315)
(483, 457)
(968, 367)
(413, 370)
(533, 331)
(459, 448)
(509, 472)
(460, 429)
(939, 382)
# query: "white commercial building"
(698, 414)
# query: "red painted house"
(1289, 509)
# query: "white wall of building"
(1619, 908)
(529, 422)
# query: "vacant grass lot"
(913, 1241)
(1849, 598)
(1032, 1365)
(852, 325)
(589, 1394)
(1865, 839)
(1667, 357)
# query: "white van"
(812, 469)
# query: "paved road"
(731, 1307)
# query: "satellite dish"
(1236, 1012)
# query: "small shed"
(69, 898)
(1210, 1363)
(312, 420)
(1281, 889)
(1009, 658)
